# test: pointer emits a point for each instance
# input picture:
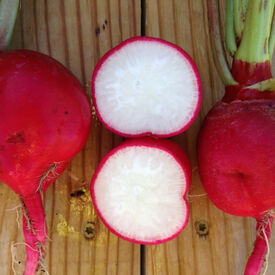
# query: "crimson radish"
(236, 147)
(146, 86)
(139, 190)
(45, 119)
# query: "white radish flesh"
(139, 191)
(146, 86)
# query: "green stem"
(8, 13)
(254, 43)
(216, 43)
(240, 8)
(271, 45)
(264, 86)
(230, 37)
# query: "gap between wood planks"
(143, 33)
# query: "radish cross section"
(139, 190)
(146, 86)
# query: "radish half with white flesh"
(146, 86)
(139, 190)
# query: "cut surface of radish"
(139, 192)
(146, 86)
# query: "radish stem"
(216, 43)
(256, 260)
(230, 37)
(35, 215)
(264, 86)
(271, 45)
(254, 44)
(32, 250)
(8, 13)
(35, 231)
(240, 7)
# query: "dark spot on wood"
(19, 262)
(89, 230)
(77, 193)
(2, 147)
(106, 22)
(202, 228)
(103, 27)
(66, 112)
(97, 31)
(16, 138)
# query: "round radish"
(236, 156)
(237, 168)
(146, 86)
(139, 190)
(236, 146)
(45, 119)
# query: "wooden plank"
(77, 33)
(230, 240)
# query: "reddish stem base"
(249, 73)
(256, 260)
(239, 92)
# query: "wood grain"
(230, 240)
(77, 33)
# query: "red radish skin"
(193, 72)
(236, 155)
(45, 119)
(178, 155)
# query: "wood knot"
(89, 230)
(202, 228)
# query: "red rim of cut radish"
(181, 160)
(112, 120)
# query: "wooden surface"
(78, 33)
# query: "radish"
(139, 190)
(236, 146)
(45, 119)
(146, 86)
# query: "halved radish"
(139, 190)
(146, 86)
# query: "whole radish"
(139, 190)
(236, 147)
(45, 119)
(146, 87)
